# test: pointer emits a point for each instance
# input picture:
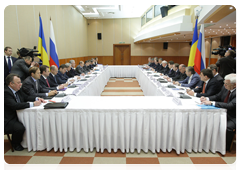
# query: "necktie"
(36, 86)
(17, 98)
(203, 89)
(9, 65)
(47, 82)
(55, 79)
(226, 99)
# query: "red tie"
(203, 89)
(47, 82)
(226, 99)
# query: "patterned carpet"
(122, 87)
(115, 87)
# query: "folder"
(183, 96)
(72, 86)
(83, 80)
(57, 105)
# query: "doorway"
(122, 54)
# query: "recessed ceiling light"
(230, 7)
(227, 25)
(211, 21)
(210, 29)
(234, 22)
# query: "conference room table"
(158, 121)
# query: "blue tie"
(9, 65)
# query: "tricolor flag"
(199, 62)
(194, 46)
(42, 45)
(53, 47)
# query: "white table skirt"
(127, 123)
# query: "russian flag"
(53, 47)
(193, 46)
(42, 49)
(199, 61)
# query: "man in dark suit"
(214, 69)
(226, 99)
(171, 72)
(176, 72)
(227, 64)
(156, 64)
(16, 99)
(86, 67)
(68, 73)
(165, 68)
(209, 85)
(52, 78)
(182, 75)
(61, 77)
(32, 87)
(44, 79)
(72, 72)
(8, 61)
(192, 79)
(152, 62)
(79, 69)
(96, 61)
(21, 67)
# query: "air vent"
(111, 13)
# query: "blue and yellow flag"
(42, 45)
(194, 46)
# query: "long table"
(127, 123)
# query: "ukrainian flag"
(194, 46)
(42, 45)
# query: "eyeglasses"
(227, 84)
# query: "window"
(157, 10)
(149, 15)
(143, 20)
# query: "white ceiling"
(112, 11)
(224, 27)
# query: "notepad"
(207, 107)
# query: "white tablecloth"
(125, 123)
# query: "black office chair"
(9, 139)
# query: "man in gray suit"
(21, 67)
(32, 87)
(79, 68)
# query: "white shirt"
(190, 78)
(6, 57)
(195, 94)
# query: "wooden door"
(122, 54)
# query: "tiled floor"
(51, 157)
(118, 87)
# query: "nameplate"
(177, 101)
(168, 93)
(76, 91)
(159, 84)
(163, 89)
(66, 99)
